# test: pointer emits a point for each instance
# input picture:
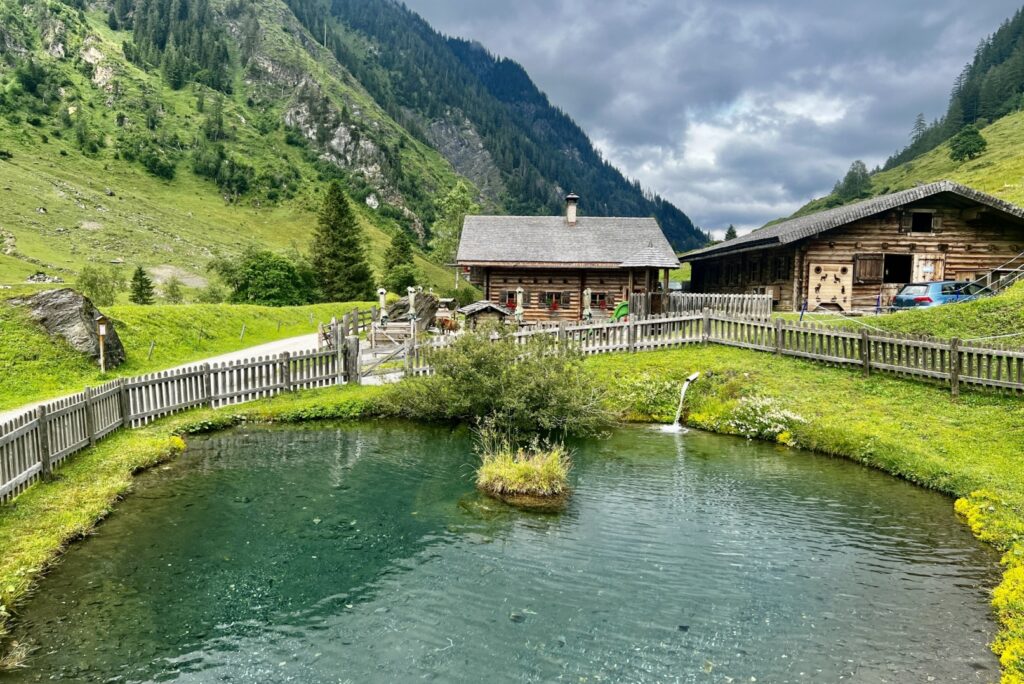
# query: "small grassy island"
(531, 476)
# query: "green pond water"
(362, 553)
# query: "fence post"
(778, 337)
(207, 385)
(90, 417)
(352, 360)
(561, 331)
(44, 443)
(954, 366)
(339, 350)
(409, 351)
(126, 403)
(286, 371)
(865, 351)
(705, 335)
(631, 333)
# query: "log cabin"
(858, 256)
(555, 259)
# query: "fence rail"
(34, 443)
(655, 303)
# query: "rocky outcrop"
(69, 315)
(460, 143)
(426, 309)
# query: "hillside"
(128, 135)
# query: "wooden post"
(90, 417)
(44, 443)
(631, 332)
(240, 337)
(352, 360)
(409, 351)
(705, 335)
(954, 366)
(778, 337)
(561, 331)
(286, 371)
(126, 403)
(865, 351)
(207, 386)
(339, 351)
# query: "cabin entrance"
(928, 268)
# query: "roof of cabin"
(551, 241)
(802, 227)
(483, 305)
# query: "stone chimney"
(571, 200)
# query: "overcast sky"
(738, 111)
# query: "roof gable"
(550, 240)
(802, 227)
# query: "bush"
(533, 470)
(762, 418)
(263, 277)
(539, 388)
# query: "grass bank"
(37, 367)
(1002, 314)
(40, 523)
(515, 470)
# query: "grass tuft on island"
(528, 476)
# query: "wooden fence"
(34, 443)
(654, 303)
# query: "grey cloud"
(739, 111)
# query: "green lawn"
(37, 367)
(995, 316)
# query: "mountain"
(167, 132)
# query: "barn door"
(928, 268)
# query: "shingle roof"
(482, 305)
(550, 240)
(813, 224)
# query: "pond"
(362, 553)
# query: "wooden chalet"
(858, 256)
(555, 259)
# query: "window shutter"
(868, 268)
(936, 223)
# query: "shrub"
(762, 418)
(536, 469)
(539, 388)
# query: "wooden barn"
(555, 259)
(859, 255)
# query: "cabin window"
(779, 268)
(508, 299)
(755, 271)
(554, 301)
(898, 268)
(920, 222)
(599, 300)
(868, 268)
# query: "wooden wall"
(966, 240)
(613, 282)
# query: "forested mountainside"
(988, 95)
(167, 132)
(483, 113)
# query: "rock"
(108, 192)
(40, 277)
(426, 309)
(517, 617)
(67, 314)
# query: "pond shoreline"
(90, 485)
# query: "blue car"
(917, 295)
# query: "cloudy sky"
(739, 111)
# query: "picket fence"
(37, 441)
(643, 305)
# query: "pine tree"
(337, 254)
(920, 128)
(856, 184)
(141, 287)
(730, 232)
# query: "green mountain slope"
(483, 113)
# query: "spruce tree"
(141, 288)
(399, 270)
(337, 254)
(730, 232)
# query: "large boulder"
(67, 314)
(426, 309)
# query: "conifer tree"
(141, 287)
(730, 232)
(337, 255)
(173, 291)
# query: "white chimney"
(571, 200)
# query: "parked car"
(917, 295)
